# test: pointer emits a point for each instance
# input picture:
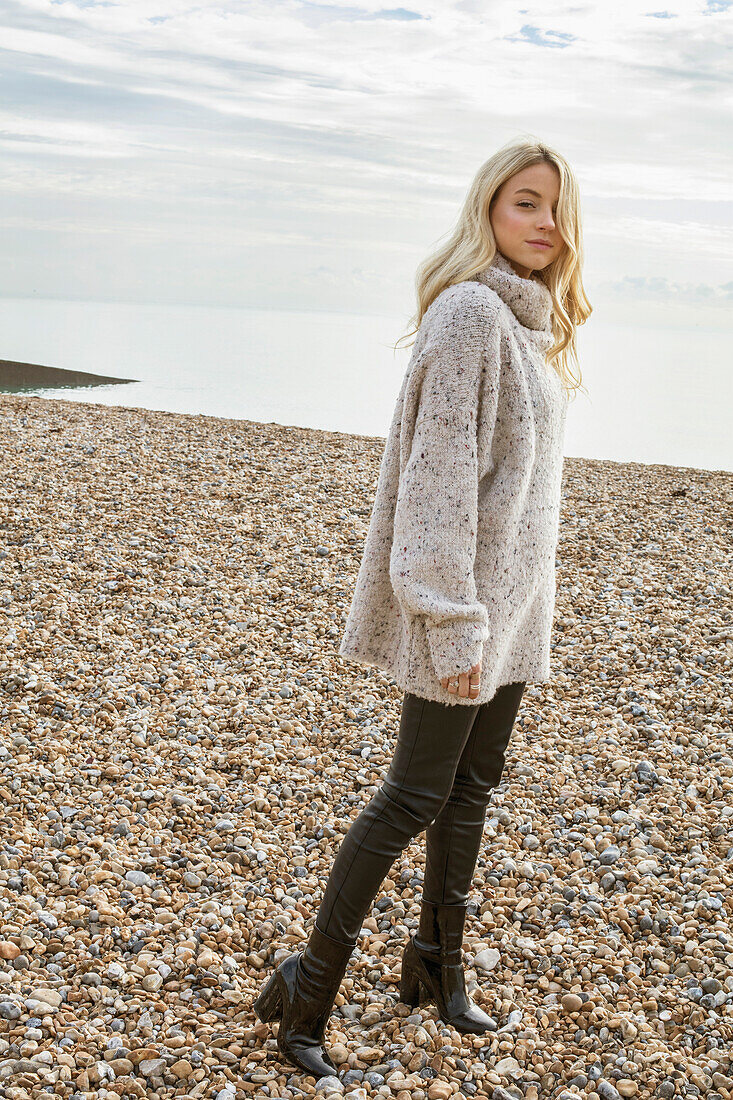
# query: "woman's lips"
(539, 244)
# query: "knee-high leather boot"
(432, 969)
(432, 965)
(300, 993)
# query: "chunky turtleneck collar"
(529, 299)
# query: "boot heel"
(409, 985)
(268, 1005)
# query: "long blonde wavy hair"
(471, 248)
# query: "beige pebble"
(122, 1066)
(369, 1054)
(438, 1090)
(182, 1068)
(339, 1053)
(508, 1067)
(50, 997)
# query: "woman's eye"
(526, 202)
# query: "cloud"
(319, 14)
(319, 137)
(540, 37)
(666, 290)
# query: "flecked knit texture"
(459, 559)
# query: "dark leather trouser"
(447, 759)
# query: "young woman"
(456, 589)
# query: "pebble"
(439, 1090)
(487, 960)
(182, 750)
(329, 1084)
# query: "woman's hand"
(466, 684)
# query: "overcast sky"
(308, 156)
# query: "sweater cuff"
(455, 646)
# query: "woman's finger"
(465, 684)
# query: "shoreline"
(332, 432)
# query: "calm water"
(657, 392)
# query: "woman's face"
(523, 212)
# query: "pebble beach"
(182, 749)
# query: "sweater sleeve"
(436, 514)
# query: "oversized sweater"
(459, 559)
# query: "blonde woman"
(456, 589)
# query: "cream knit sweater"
(459, 559)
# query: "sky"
(293, 155)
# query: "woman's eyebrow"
(529, 191)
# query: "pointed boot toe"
(300, 994)
(432, 970)
(300, 1037)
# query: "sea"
(658, 383)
